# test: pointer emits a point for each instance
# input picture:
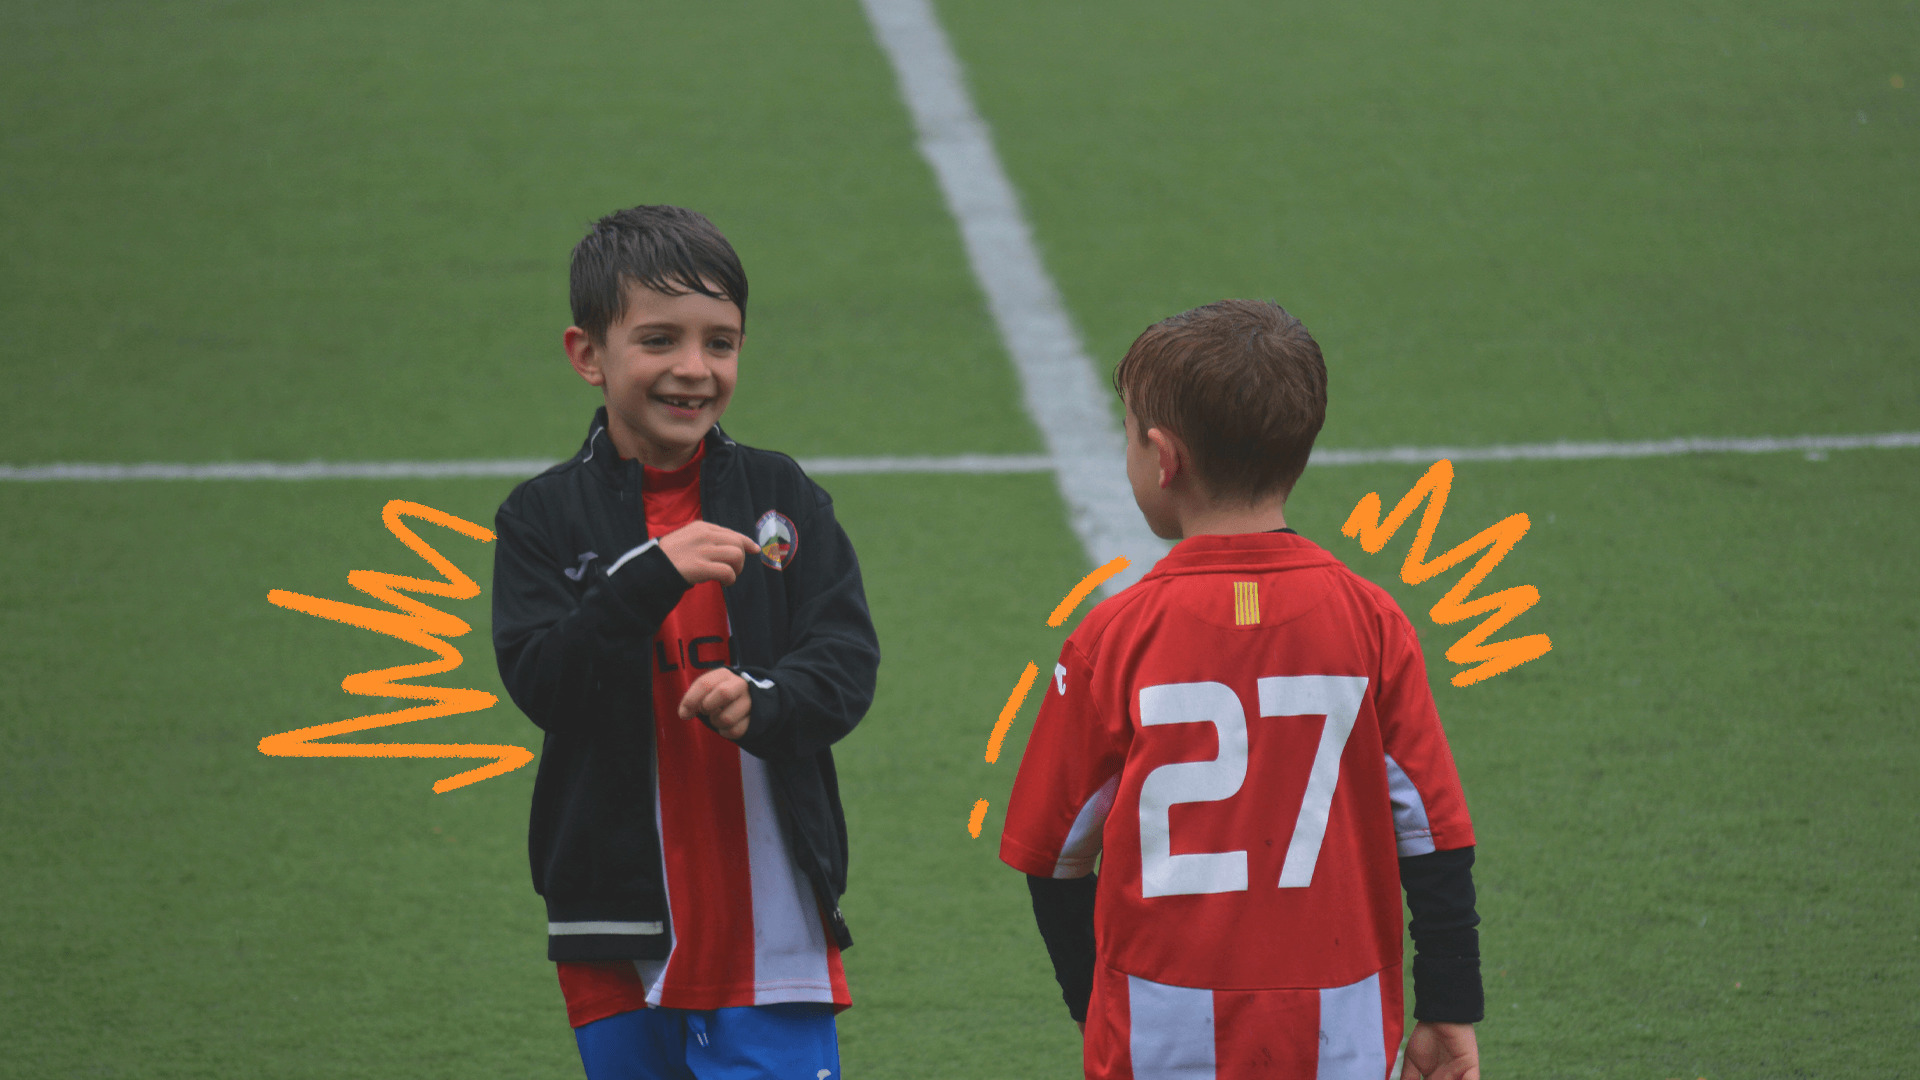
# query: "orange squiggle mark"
(1008, 711)
(416, 623)
(1498, 539)
(1014, 700)
(1087, 584)
(975, 819)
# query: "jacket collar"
(599, 454)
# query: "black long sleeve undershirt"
(1440, 895)
(1446, 941)
(1064, 909)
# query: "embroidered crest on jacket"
(779, 541)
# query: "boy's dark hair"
(664, 248)
(1242, 383)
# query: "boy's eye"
(656, 341)
(721, 345)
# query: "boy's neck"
(1214, 519)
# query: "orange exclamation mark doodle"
(1019, 696)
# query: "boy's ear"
(1172, 454)
(584, 355)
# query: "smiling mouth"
(682, 403)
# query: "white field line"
(513, 468)
(971, 464)
(1062, 395)
(1577, 451)
(277, 470)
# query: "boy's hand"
(719, 698)
(1441, 1052)
(703, 551)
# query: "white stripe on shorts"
(1171, 1031)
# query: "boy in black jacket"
(684, 618)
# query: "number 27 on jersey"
(1304, 698)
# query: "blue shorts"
(793, 1040)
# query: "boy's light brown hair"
(1242, 384)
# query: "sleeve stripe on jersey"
(1083, 839)
(1410, 825)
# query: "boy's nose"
(691, 363)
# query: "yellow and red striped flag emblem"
(1246, 603)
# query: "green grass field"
(238, 231)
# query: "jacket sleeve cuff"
(645, 585)
(763, 716)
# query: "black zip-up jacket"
(575, 646)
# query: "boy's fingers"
(726, 693)
(720, 700)
(716, 692)
(732, 720)
(694, 700)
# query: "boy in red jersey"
(1246, 740)
(684, 618)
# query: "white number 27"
(1162, 873)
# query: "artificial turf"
(240, 231)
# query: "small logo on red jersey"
(779, 541)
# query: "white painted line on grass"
(511, 468)
(963, 463)
(276, 470)
(1066, 401)
(1575, 451)
(968, 464)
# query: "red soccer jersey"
(1247, 740)
(746, 927)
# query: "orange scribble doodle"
(416, 623)
(1008, 710)
(1019, 696)
(1501, 608)
(1079, 592)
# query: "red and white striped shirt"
(747, 929)
(1247, 742)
